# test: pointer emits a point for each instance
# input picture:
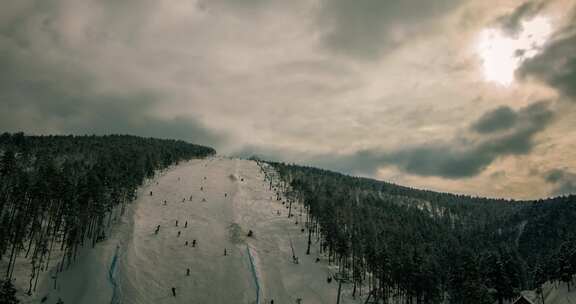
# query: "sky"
(464, 96)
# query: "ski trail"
(208, 256)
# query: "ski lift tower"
(341, 277)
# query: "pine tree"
(8, 293)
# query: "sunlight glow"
(502, 53)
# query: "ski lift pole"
(294, 258)
(341, 277)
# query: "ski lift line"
(255, 276)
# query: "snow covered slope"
(216, 202)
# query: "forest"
(418, 246)
(59, 192)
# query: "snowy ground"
(229, 198)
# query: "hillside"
(122, 219)
(60, 194)
(431, 247)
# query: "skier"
(178, 233)
(164, 202)
(186, 224)
(188, 271)
(224, 251)
(225, 194)
(176, 223)
(150, 193)
(173, 291)
(201, 188)
(157, 229)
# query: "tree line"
(418, 246)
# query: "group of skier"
(157, 230)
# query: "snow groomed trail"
(201, 251)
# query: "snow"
(135, 265)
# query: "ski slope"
(229, 197)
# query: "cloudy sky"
(467, 96)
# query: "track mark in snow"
(112, 276)
(254, 274)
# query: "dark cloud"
(458, 158)
(469, 157)
(367, 28)
(40, 96)
(502, 118)
(556, 64)
(512, 23)
(564, 182)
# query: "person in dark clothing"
(157, 229)
(193, 243)
(187, 271)
(178, 233)
(224, 251)
(186, 224)
(150, 193)
(176, 223)
(173, 291)
(186, 243)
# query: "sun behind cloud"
(502, 52)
